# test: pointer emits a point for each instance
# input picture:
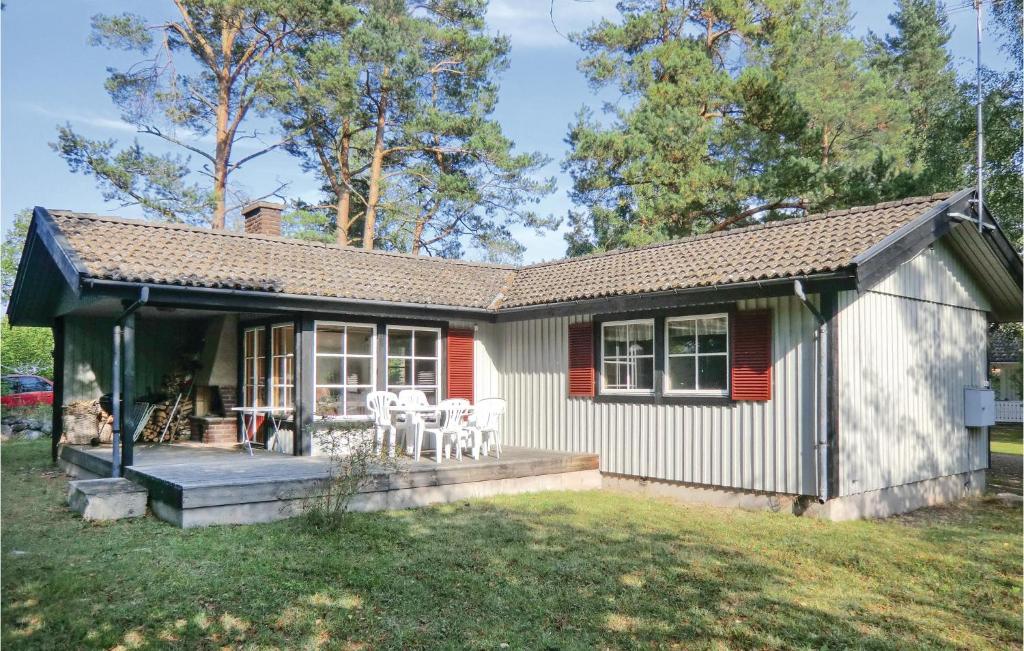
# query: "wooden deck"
(195, 485)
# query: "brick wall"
(214, 430)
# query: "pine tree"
(392, 111)
(917, 65)
(732, 111)
(457, 177)
(231, 45)
(316, 98)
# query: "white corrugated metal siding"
(486, 357)
(907, 349)
(764, 446)
(936, 275)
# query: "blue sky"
(50, 75)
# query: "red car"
(25, 391)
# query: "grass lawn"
(1007, 439)
(554, 570)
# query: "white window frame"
(274, 386)
(653, 355)
(438, 353)
(697, 355)
(259, 333)
(344, 375)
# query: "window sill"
(705, 400)
(696, 394)
(627, 392)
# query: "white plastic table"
(276, 415)
(415, 414)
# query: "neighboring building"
(829, 357)
(1004, 359)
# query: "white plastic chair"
(450, 429)
(486, 420)
(410, 425)
(378, 403)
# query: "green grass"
(1007, 440)
(554, 570)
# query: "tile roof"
(792, 247)
(149, 252)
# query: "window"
(254, 368)
(413, 358)
(344, 368)
(627, 356)
(30, 383)
(697, 354)
(282, 365)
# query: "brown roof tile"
(138, 251)
(792, 247)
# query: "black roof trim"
(885, 256)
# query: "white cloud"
(96, 121)
(545, 23)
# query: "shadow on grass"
(554, 570)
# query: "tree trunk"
(342, 223)
(417, 236)
(220, 165)
(376, 166)
(221, 135)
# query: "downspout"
(115, 470)
(821, 403)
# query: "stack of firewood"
(174, 384)
(85, 421)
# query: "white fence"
(1009, 411)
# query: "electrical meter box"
(979, 407)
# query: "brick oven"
(213, 421)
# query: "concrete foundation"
(107, 499)
(873, 504)
(901, 499)
(707, 495)
(403, 498)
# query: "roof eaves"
(880, 259)
(67, 261)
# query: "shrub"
(354, 464)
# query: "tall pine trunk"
(376, 167)
(220, 160)
(417, 236)
(222, 136)
(342, 219)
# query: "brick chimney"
(263, 217)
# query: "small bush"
(354, 464)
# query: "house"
(837, 359)
(1004, 359)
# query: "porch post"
(128, 392)
(57, 418)
(305, 390)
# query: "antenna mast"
(981, 135)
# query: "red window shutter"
(752, 356)
(581, 359)
(460, 364)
